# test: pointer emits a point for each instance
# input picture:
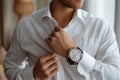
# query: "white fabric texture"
(109, 12)
(100, 61)
(101, 9)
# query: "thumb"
(58, 28)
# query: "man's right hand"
(46, 67)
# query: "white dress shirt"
(100, 61)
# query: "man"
(63, 42)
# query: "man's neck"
(62, 15)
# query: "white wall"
(41, 3)
(101, 8)
(117, 21)
(10, 20)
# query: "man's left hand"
(60, 42)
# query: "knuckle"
(52, 39)
(56, 33)
(50, 45)
(53, 33)
(61, 29)
(52, 55)
(41, 60)
(42, 67)
(46, 72)
(49, 39)
(48, 76)
(54, 60)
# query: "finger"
(60, 27)
(49, 37)
(57, 29)
(36, 70)
(50, 40)
(54, 72)
(53, 33)
(47, 57)
(50, 63)
(52, 67)
(47, 40)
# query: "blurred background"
(11, 11)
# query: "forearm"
(89, 66)
(106, 71)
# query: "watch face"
(75, 55)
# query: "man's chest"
(34, 41)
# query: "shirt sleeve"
(106, 63)
(15, 63)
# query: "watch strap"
(70, 61)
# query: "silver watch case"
(75, 55)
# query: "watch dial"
(75, 55)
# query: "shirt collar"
(47, 14)
(79, 15)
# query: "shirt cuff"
(86, 64)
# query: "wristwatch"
(74, 56)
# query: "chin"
(79, 4)
(77, 7)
